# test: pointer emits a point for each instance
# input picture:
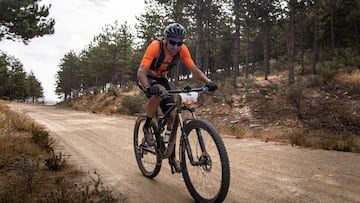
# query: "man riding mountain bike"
(161, 56)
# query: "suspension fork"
(187, 143)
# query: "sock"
(147, 122)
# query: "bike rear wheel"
(208, 179)
(147, 157)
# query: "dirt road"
(260, 172)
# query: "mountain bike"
(204, 162)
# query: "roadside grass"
(328, 113)
(325, 139)
(31, 170)
(310, 114)
(351, 81)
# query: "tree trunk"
(332, 29)
(302, 42)
(247, 53)
(302, 57)
(215, 59)
(316, 28)
(236, 52)
(253, 59)
(236, 56)
(266, 64)
(291, 43)
(198, 37)
(206, 50)
(357, 37)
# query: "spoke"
(206, 179)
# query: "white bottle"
(167, 133)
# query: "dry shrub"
(314, 81)
(113, 90)
(132, 104)
(13, 121)
(325, 139)
(246, 82)
(23, 177)
(295, 94)
(336, 115)
(93, 190)
(234, 129)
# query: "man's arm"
(141, 74)
(199, 75)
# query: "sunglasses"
(173, 42)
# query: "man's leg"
(152, 106)
(165, 106)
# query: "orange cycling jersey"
(152, 52)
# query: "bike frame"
(178, 121)
(198, 138)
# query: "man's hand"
(212, 86)
(154, 90)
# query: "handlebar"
(187, 96)
(185, 90)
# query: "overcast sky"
(76, 23)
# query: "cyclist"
(154, 67)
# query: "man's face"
(173, 45)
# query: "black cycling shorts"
(166, 103)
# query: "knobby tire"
(147, 158)
(205, 183)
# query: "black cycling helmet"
(175, 30)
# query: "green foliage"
(329, 69)
(68, 77)
(151, 23)
(34, 87)
(24, 20)
(295, 94)
(17, 80)
(113, 57)
(15, 83)
(4, 76)
(108, 59)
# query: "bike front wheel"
(204, 162)
(147, 157)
